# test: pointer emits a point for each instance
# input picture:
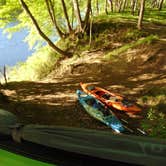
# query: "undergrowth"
(154, 123)
(37, 66)
(152, 16)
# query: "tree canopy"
(48, 20)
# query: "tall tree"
(97, 6)
(133, 6)
(141, 14)
(77, 13)
(160, 4)
(111, 5)
(41, 33)
(66, 16)
(124, 5)
(120, 2)
(51, 12)
(106, 6)
(87, 15)
(154, 3)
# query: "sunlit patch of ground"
(143, 77)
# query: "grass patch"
(154, 123)
(150, 15)
(155, 16)
(124, 48)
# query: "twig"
(91, 23)
(3, 73)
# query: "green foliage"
(150, 15)
(155, 16)
(12, 11)
(157, 91)
(133, 34)
(37, 66)
(106, 29)
(9, 12)
(154, 123)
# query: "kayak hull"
(98, 111)
(111, 99)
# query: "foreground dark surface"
(52, 155)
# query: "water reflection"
(13, 50)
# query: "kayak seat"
(106, 96)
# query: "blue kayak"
(100, 112)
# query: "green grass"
(154, 123)
(12, 159)
(124, 48)
(153, 16)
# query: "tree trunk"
(124, 5)
(106, 6)
(90, 29)
(41, 33)
(111, 5)
(51, 12)
(72, 19)
(77, 13)
(87, 15)
(141, 14)
(133, 3)
(135, 6)
(97, 6)
(160, 4)
(66, 16)
(154, 3)
(120, 5)
(116, 6)
(4, 74)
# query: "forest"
(92, 91)
(119, 45)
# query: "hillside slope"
(134, 73)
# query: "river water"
(13, 50)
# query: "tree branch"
(51, 12)
(41, 33)
(66, 15)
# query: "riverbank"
(134, 72)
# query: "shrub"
(37, 66)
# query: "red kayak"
(111, 99)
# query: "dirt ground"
(53, 101)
